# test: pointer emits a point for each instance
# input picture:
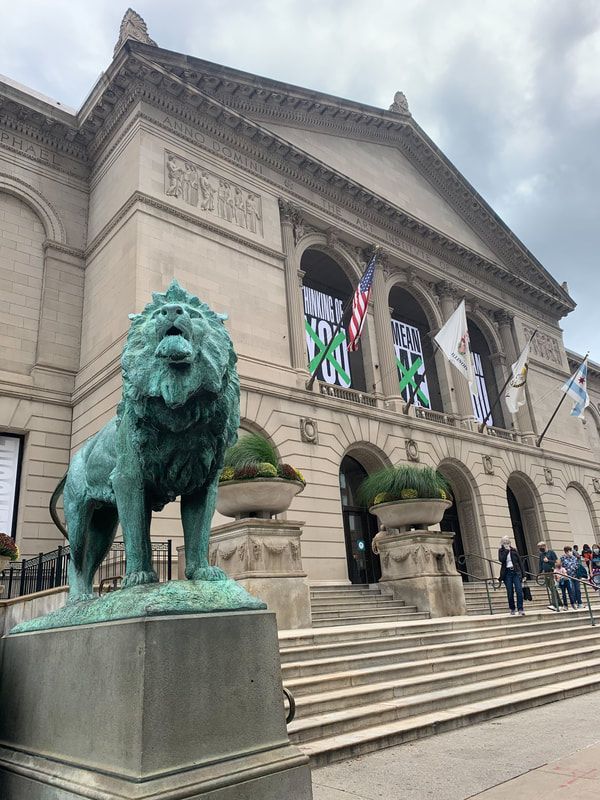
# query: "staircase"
(349, 605)
(363, 687)
(477, 602)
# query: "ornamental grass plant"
(403, 483)
(253, 456)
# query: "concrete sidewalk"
(524, 756)
(574, 777)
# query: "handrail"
(486, 581)
(463, 561)
(291, 703)
(539, 579)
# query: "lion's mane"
(193, 409)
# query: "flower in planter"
(403, 483)
(246, 473)
(8, 547)
(267, 470)
(228, 474)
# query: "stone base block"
(418, 568)
(168, 707)
(289, 598)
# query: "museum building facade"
(266, 200)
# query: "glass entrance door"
(359, 526)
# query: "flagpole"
(501, 393)
(324, 353)
(562, 400)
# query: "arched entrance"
(525, 520)
(462, 519)
(359, 526)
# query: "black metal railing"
(49, 570)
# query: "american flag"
(360, 303)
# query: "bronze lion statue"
(178, 414)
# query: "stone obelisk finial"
(132, 27)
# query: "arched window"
(487, 388)
(580, 518)
(326, 289)
(413, 348)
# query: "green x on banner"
(407, 378)
(341, 336)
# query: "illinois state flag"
(515, 391)
(576, 387)
(453, 341)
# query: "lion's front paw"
(82, 597)
(139, 578)
(207, 574)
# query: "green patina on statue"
(178, 415)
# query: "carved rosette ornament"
(412, 450)
(488, 465)
(548, 476)
(309, 432)
(596, 485)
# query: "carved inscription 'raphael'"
(544, 346)
(202, 189)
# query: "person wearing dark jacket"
(547, 562)
(511, 574)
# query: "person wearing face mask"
(595, 566)
(511, 574)
(547, 563)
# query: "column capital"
(290, 215)
(503, 318)
(301, 273)
(445, 289)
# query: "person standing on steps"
(546, 566)
(511, 574)
(595, 567)
(570, 562)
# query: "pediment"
(388, 173)
(381, 158)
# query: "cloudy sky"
(509, 89)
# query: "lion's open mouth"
(173, 331)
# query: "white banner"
(515, 391)
(480, 400)
(10, 450)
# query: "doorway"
(518, 528)
(451, 524)
(359, 526)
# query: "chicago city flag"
(515, 391)
(453, 341)
(576, 387)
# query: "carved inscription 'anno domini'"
(202, 189)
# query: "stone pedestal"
(168, 707)
(418, 567)
(263, 555)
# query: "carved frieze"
(211, 193)
(543, 346)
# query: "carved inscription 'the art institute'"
(202, 189)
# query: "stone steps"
(359, 688)
(347, 605)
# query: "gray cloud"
(508, 90)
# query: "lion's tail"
(52, 506)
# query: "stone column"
(462, 395)
(290, 219)
(523, 419)
(388, 372)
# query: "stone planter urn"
(418, 567)
(259, 497)
(406, 514)
(263, 555)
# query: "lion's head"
(177, 349)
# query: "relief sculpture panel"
(544, 346)
(203, 189)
